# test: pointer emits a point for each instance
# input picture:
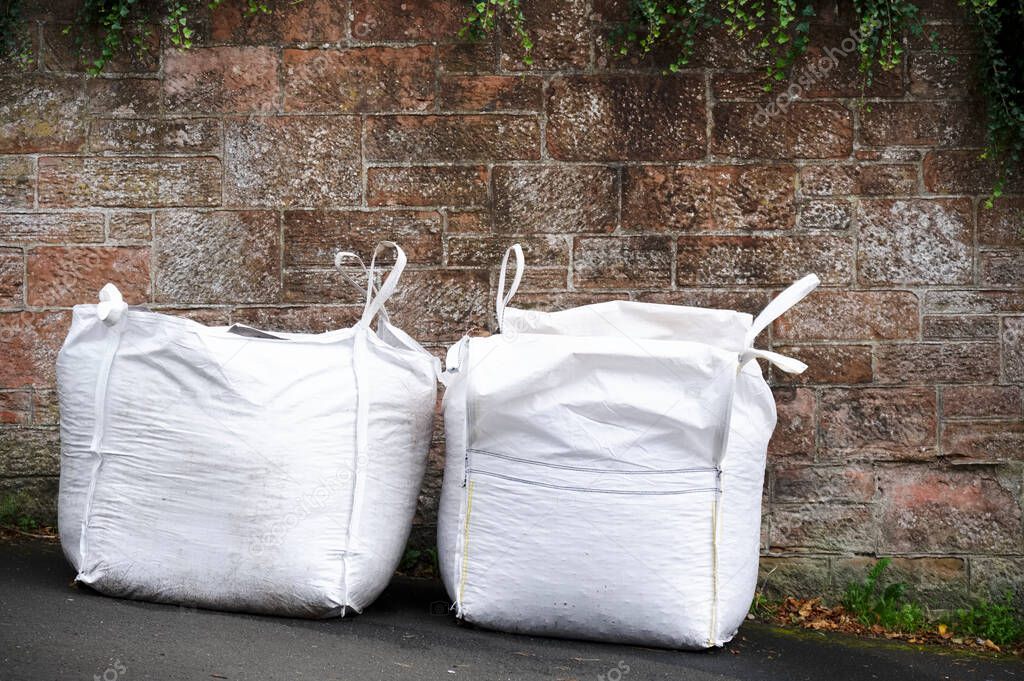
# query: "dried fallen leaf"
(991, 646)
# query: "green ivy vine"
(779, 29)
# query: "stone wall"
(217, 183)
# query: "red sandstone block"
(127, 97)
(851, 315)
(861, 179)
(427, 186)
(130, 226)
(291, 161)
(154, 136)
(844, 364)
(824, 527)
(963, 171)
(981, 401)
(915, 241)
(664, 198)
(878, 422)
(1003, 224)
(311, 238)
(442, 305)
(1013, 349)
(29, 228)
(490, 93)
(41, 113)
(403, 21)
(15, 407)
(762, 260)
(938, 74)
(67, 46)
(452, 138)
(915, 363)
(309, 21)
(216, 257)
(486, 251)
(804, 130)
(560, 31)
(826, 484)
(17, 182)
(794, 435)
(557, 199)
(631, 262)
(133, 182)
(637, 117)
(12, 277)
(1002, 269)
(359, 80)
(927, 124)
(972, 510)
(984, 441)
(959, 327)
(221, 79)
(65, 276)
(973, 302)
(30, 341)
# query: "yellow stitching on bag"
(465, 542)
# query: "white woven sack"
(604, 470)
(237, 469)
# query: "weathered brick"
(937, 581)
(823, 527)
(12, 277)
(828, 363)
(936, 363)
(490, 93)
(50, 227)
(305, 319)
(291, 160)
(963, 171)
(477, 57)
(468, 221)
(216, 257)
(748, 300)
(973, 302)
(311, 238)
(794, 433)
(713, 197)
(830, 67)
(400, 20)
(310, 21)
(959, 327)
(15, 407)
(890, 422)
(560, 300)
(130, 226)
(634, 262)
(68, 46)
(1003, 224)
(928, 124)
(714, 260)
(45, 408)
(562, 199)
(110, 181)
(560, 32)
(1002, 269)
(359, 80)
(427, 186)
(17, 182)
(128, 97)
(452, 138)
(865, 180)
(31, 341)
(154, 136)
(486, 251)
(851, 315)
(636, 117)
(221, 79)
(823, 483)
(322, 285)
(914, 242)
(442, 305)
(65, 276)
(25, 452)
(784, 576)
(39, 113)
(933, 73)
(959, 510)
(819, 214)
(992, 577)
(805, 130)
(984, 441)
(1013, 349)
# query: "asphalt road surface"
(52, 630)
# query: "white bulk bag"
(236, 469)
(604, 470)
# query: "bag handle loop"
(341, 262)
(375, 298)
(775, 309)
(111, 307)
(503, 298)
